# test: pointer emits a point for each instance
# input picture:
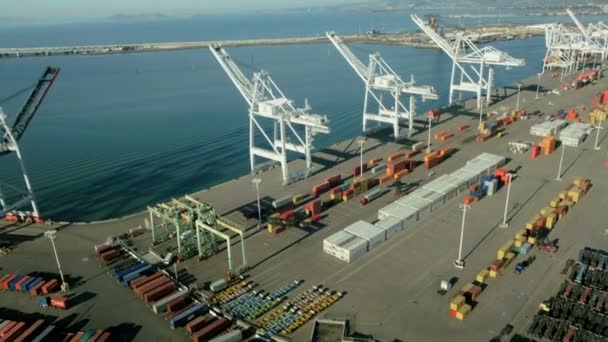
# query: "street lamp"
(561, 161)
(459, 263)
(257, 182)
(538, 83)
(361, 143)
(428, 144)
(504, 219)
(519, 85)
(597, 136)
(51, 234)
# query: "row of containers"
(570, 134)
(40, 330)
(536, 229)
(35, 285)
(579, 310)
(360, 237)
(235, 310)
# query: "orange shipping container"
(14, 332)
(6, 328)
(444, 151)
(37, 289)
(401, 174)
(159, 292)
(143, 280)
(374, 161)
(196, 324)
(50, 286)
(394, 157)
(385, 179)
(150, 285)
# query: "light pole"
(597, 136)
(561, 161)
(361, 143)
(538, 83)
(257, 182)
(519, 85)
(481, 113)
(428, 143)
(459, 263)
(51, 234)
(504, 219)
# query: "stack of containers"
(367, 231)
(547, 144)
(345, 246)
(548, 128)
(574, 134)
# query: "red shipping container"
(287, 215)
(453, 313)
(500, 172)
(28, 334)
(159, 292)
(333, 181)
(196, 324)
(103, 249)
(105, 336)
(50, 286)
(210, 330)
(154, 286)
(496, 265)
(176, 304)
(319, 189)
(110, 255)
(21, 282)
(8, 280)
(469, 199)
(475, 292)
(357, 169)
(59, 302)
(7, 327)
(372, 183)
(605, 97)
(14, 332)
(462, 128)
(534, 151)
(77, 336)
(140, 282)
(6, 276)
(150, 285)
(315, 218)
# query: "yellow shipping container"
(463, 312)
(546, 211)
(493, 274)
(551, 219)
(575, 195)
(530, 223)
(578, 181)
(467, 288)
(457, 302)
(568, 203)
(521, 233)
(531, 240)
(482, 275)
(508, 259)
(297, 198)
(520, 241)
(555, 202)
(563, 194)
(506, 248)
(482, 127)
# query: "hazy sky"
(75, 9)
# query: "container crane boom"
(578, 23)
(10, 143)
(380, 78)
(266, 100)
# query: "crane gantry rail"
(380, 78)
(267, 101)
(480, 61)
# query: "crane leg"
(412, 114)
(308, 156)
(450, 100)
(251, 143)
(283, 153)
(365, 104)
(490, 81)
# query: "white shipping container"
(494, 158)
(378, 168)
(459, 183)
(367, 231)
(390, 225)
(468, 176)
(436, 199)
(161, 304)
(443, 186)
(350, 250)
(336, 239)
(406, 214)
(422, 206)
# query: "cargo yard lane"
(391, 291)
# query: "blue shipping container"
(121, 274)
(128, 278)
(34, 283)
(11, 285)
(181, 318)
(24, 286)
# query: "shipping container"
(390, 225)
(211, 330)
(320, 189)
(46, 332)
(7, 328)
(153, 287)
(150, 285)
(21, 281)
(159, 292)
(88, 335)
(105, 336)
(50, 286)
(422, 206)
(145, 279)
(181, 319)
(14, 332)
(436, 199)
(403, 213)
(336, 239)
(25, 287)
(372, 195)
(120, 274)
(31, 331)
(283, 201)
(128, 278)
(346, 250)
(367, 231)
(335, 180)
(197, 324)
(161, 305)
(76, 337)
(231, 336)
(37, 289)
(176, 304)
(60, 302)
(11, 284)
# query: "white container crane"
(596, 40)
(379, 78)
(559, 43)
(266, 101)
(464, 52)
(10, 136)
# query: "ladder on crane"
(480, 61)
(11, 135)
(267, 101)
(379, 79)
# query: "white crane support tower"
(9, 138)
(266, 101)
(379, 78)
(464, 52)
(559, 43)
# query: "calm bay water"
(119, 132)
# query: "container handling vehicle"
(521, 266)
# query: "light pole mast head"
(256, 181)
(50, 234)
